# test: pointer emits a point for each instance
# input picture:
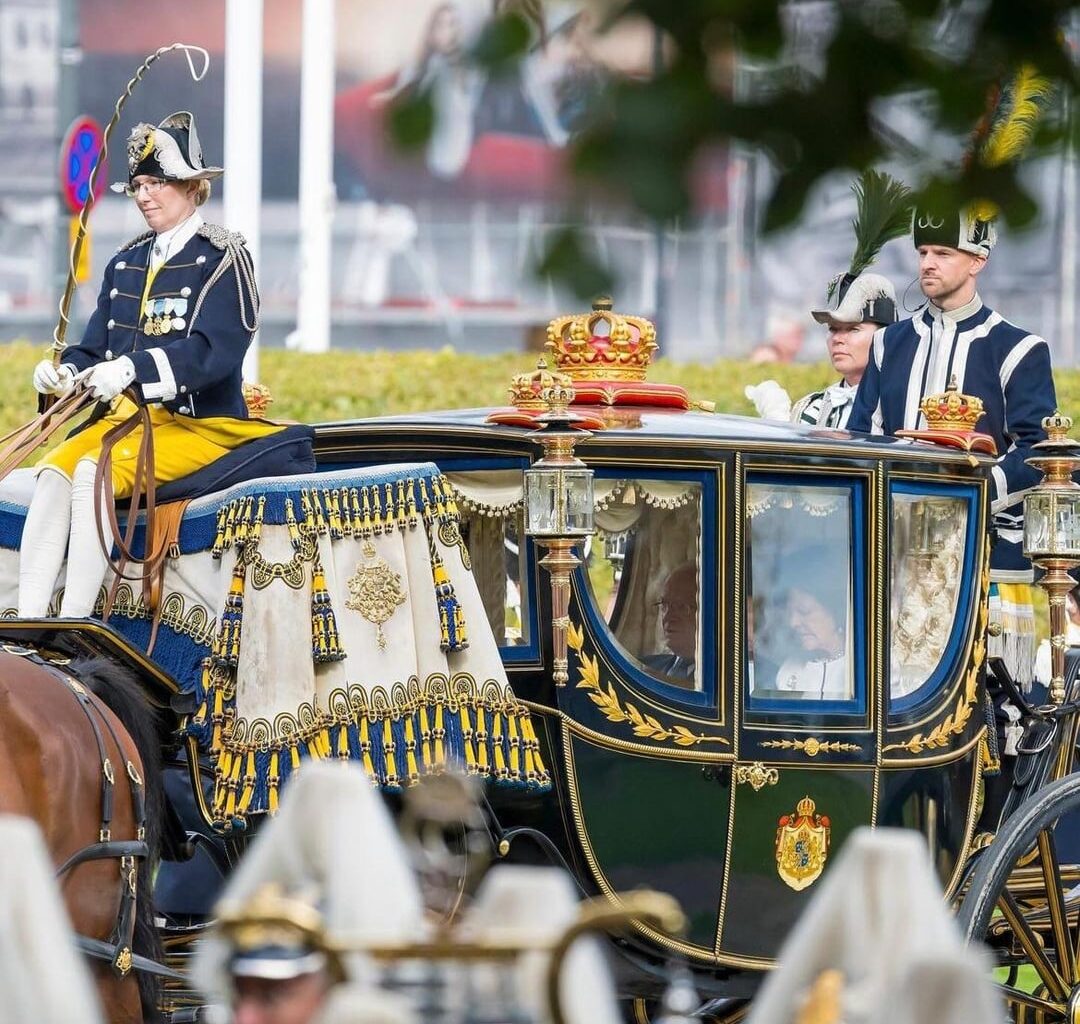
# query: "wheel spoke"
(1012, 995)
(1051, 978)
(1033, 1002)
(1055, 898)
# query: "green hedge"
(342, 385)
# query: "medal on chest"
(164, 315)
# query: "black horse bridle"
(117, 950)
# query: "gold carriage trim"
(412, 729)
(645, 726)
(954, 723)
(811, 747)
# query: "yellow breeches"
(182, 444)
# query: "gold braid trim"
(417, 727)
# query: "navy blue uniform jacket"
(1004, 365)
(194, 370)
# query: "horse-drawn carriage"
(775, 635)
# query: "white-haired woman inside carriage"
(177, 310)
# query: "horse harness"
(117, 951)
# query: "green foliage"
(568, 257)
(644, 138)
(348, 385)
(503, 41)
(412, 119)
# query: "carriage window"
(492, 523)
(929, 534)
(800, 638)
(643, 568)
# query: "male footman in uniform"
(955, 335)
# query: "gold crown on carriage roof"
(602, 344)
(951, 409)
(531, 390)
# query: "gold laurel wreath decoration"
(644, 726)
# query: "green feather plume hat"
(883, 212)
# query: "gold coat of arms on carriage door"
(802, 845)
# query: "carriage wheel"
(1023, 901)
(645, 1011)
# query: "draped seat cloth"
(330, 615)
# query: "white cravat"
(942, 334)
(170, 242)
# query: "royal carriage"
(685, 651)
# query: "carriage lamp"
(559, 509)
(1052, 531)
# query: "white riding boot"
(44, 541)
(87, 563)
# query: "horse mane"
(118, 689)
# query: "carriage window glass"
(492, 523)
(927, 559)
(800, 641)
(643, 569)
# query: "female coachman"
(177, 311)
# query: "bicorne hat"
(858, 299)
(171, 152)
(882, 213)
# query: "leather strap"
(20, 443)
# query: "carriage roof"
(629, 425)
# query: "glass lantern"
(559, 511)
(1052, 524)
(559, 500)
(1052, 542)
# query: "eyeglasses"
(680, 609)
(152, 187)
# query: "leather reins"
(20, 443)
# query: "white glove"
(107, 380)
(770, 400)
(53, 380)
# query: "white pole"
(316, 175)
(1066, 346)
(243, 134)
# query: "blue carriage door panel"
(934, 591)
(806, 612)
(805, 773)
(648, 598)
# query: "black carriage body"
(731, 790)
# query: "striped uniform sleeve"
(1027, 385)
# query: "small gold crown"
(951, 410)
(602, 345)
(1057, 427)
(257, 398)
(527, 390)
(805, 807)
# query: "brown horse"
(56, 721)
